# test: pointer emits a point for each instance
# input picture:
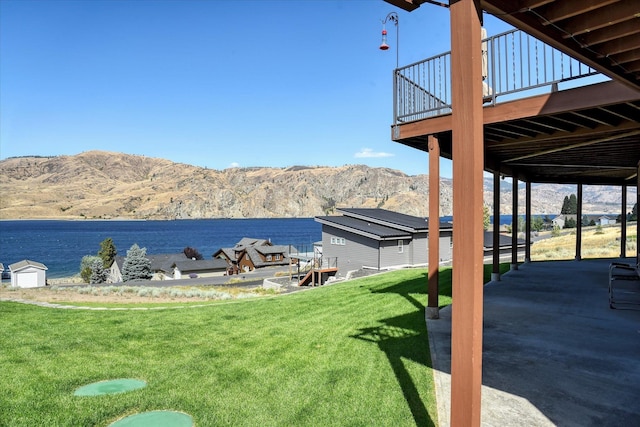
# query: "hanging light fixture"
(393, 17)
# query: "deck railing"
(512, 62)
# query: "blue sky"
(211, 83)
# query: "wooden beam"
(624, 10)
(579, 225)
(468, 161)
(592, 96)
(623, 224)
(527, 201)
(496, 226)
(557, 11)
(610, 33)
(577, 145)
(514, 222)
(434, 228)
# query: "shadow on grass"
(404, 337)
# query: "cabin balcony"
(543, 111)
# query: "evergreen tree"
(565, 206)
(573, 204)
(634, 213)
(107, 252)
(98, 273)
(570, 223)
(86, 267)
(537, 223)
(136, 265)
(486, 219)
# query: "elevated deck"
(547, 117)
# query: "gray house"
(379, 239)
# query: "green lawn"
(354, 353)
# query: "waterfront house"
(249, 254)
(379, 239)
(28, 274)
(192, 268)
(171, 267)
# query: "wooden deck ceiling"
(588, 135)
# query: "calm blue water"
(60, 245)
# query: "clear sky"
(211, 83)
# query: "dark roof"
(388, 218)
(201, 265)
(362, 227)
(276, 249)
(159, 262)
(505, 241)
(229, 253)
(257, 261)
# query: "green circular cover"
(110, 387)
(155, 419)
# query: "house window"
(338, 241)
(400, 246)
(268, 257)
(278, 257)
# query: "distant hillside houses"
(250, 253)
(564, 220)
(172, 267)
(247, 255)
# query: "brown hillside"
(98, 184)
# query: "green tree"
(136, 265)
(565, 206)
(107, 252)
(569, 205)
(86, 267)
(634, 213)
(573, 204)
(486, 218)
(570, 223)
(537, 223)
(98, 273)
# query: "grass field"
(354, 353)
(603, 242)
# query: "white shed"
(28, 274)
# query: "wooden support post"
(514, 222)
(432, 310)
(468, 163)
(527, 228)
(579, 225)
(495, 272)
(623, 224)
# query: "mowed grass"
(354, 354)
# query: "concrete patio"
(554, 353)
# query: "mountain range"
(106, 185)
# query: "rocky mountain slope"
(99, 184)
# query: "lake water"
(60, 245)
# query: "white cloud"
(234, 165)
(369, 153)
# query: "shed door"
(28, 279)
